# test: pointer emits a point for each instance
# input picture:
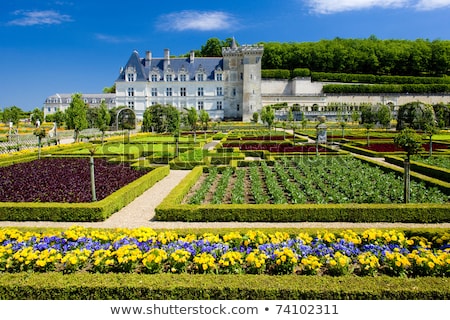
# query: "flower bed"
(63, 180)
(368, 253)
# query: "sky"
(68, 46)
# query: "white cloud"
(196, 20)
(114, 39)
(33, 18)
(336, 6)
(432, 4)
(332, 6)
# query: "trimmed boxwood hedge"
(77, 212)
(426, 169)
(84, 286)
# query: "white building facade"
(227, 87)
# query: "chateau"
(227, 87)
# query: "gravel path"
(141, 211)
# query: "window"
(130, 77)
(219, 105)
(168, 92)
(169, 77)
(219, 77)
(200, 92)
(131, 104)
(237, 107)
(182, 77)
(200, 77)
(200, 105)
(219, 91)
(234, 91)
(131, 92)
(154, 77)
(183, 92)
(242, 76)
(154, 92)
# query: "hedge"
(386, 88)
(275, 74)
(370, 78)
(425, 169)
(171, 209)
(84, 286)
(77, 212)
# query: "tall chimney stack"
(166, 58)
(192, 56)
(148, 58)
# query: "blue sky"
(67, 46)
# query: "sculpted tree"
(411, 142)
(76, 118)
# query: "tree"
(204, 119)
(40, 134)
(368, 119)
(111, 89)
(384, 116)
(430, 130)
(255, 117)
(212, 48)
(192, 118)
(103, 119)
(37, 115)
(76, 115)
(268, 116)
(415, 115)
(12, 114)
(411, 142)
(355, 116)
(159, 118)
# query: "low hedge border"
(171, 209)
(426, 169)
(398, 169)
(81, 212)
(84, 286)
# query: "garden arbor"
(125, 119)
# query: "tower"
(242, 86)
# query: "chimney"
(192, 56)
(148, 58)
(166, 58)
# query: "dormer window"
(169, 78)
(200, 77)
(131, 74)
(219, 77)
(154, 77)
(182, 77)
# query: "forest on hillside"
(420, 57)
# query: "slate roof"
(209, 65)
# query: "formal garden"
(240, 174)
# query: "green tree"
(111, 89)
(355, 116)
(159, 118)
(411, 142)
(37, 114)
(76, 115)
(192, 118)
(103, 119)
(255, 117)
(204, 119)
(384, 116)
(430, 130)
(212, 48)
(12, 114)
(268, 116)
